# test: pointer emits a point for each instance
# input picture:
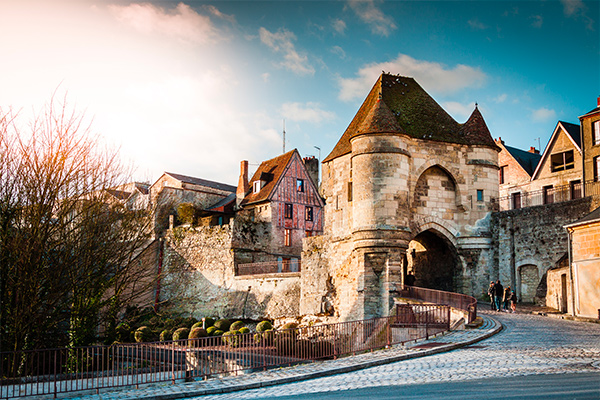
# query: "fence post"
(173, 361)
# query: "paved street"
(529, 345)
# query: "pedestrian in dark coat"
(491, 294)
(506, 298)
(498, 294)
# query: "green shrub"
(195, 337)
(197, 333)
(123, 332)
(223, 325)
(208, 322)
(166, 335)
(186, 213)
(143, 334)
(290, 330)
(231, 338)
(243, 330)
(181, 333)
(265, 338)
(211, 330)
(264, 326)
(236, 326)
(218, 332)
(196, 325)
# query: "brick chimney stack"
(598, 101)
(533, 150)
(243, 187)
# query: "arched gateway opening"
(434, 261)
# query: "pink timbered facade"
(284, 198)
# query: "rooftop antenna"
(284, 135)
(539, 145)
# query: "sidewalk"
(530, 308)
(167, 391)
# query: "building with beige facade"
(407, 188)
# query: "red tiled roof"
(273, 169)
(399, 105)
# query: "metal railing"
(269, 267)
(555, 194)
(454, 300)
(51, 372)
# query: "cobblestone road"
(528, 345)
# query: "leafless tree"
(66, 244)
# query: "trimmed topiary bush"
(218, 332)
(243, 330)
(211, 330)
(231, 338)
(264, 326)
(196, 325)
(223, 325)
(181, 334)
(166, 335)
(208, 322)
(123, 332)
(289, 329)
(143, 334)
(236, 326)
(195, 337)
(197, 333)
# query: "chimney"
(312, 167)
(598, 101)
(242, 188)
(533, 150)
(499, 140)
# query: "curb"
(333, 371)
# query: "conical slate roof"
(399, 105)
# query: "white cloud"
(337, 50)
(265, 77)
(538, 21)
(431, 75)
(339, 26)
(182, 22)
(577, 9)
(572, 7)
(368, 12)
(460, 112)
(282, 42)
(501, 99)
(543, 114)
(477, 25)
(309, 112)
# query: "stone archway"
(434, 261)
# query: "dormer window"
(256, 187)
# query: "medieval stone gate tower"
(406, 188)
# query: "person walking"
(490, 293)
(513, 301)
(498, 295)
(506, 298)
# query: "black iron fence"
(547, 195)
(454, 300)
(55, 371)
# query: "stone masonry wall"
(532, 236)
(200, 279)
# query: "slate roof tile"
(399, 105)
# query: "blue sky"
(195, 87)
